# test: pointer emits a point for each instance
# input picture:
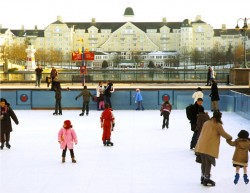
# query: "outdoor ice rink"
(144, 158)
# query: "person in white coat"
(197, 94)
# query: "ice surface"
(144, 158)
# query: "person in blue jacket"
(138, 100)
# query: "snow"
(144, 158)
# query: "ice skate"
(104, 143)
(2, 145)
(246, 180)
(81, 114)
(73, 160)
(202, 179)
(8, 145)
(236, 178)
(208, 182)
(109, 143)
(63, 159)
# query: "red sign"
(76, 56)
(89, 56)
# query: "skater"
(208, 76)
(138, 100)
(58, 97)
(208, 146)
(197, 94)
(53, 75)
(66, 138)
(107, 124)
(99, 90)
(38, 71)
(240, 157)
(108, 91)
(192, 111)
(166, 108)
(101, 102)
(86, 98)
(5, 127)
(214, 96)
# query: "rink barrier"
(124, 99)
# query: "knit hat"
(67, 124)
(3, 100)
(243, 134)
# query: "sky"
(144, 159)
(15, 13)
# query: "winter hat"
(67, 124)
(243, 134)
(3, 100)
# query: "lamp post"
(244, 31)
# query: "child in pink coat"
(66, 137)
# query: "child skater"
(101, 101)
(6, 114)
(66, 137)
(166, 108)
(240, 157)
(107, 123)
(138, 99)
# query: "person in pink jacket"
(66, 138)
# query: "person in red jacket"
(107, 123)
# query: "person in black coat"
(6, 114)
(214, 97)
(58, 96)
(108, 91)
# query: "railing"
(152, 76)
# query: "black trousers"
(85, 106)
(107, 100)
(71, 152)
(165, 118)
(5, 136)
(58, 106)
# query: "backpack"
(190, 111)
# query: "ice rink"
(144, 158)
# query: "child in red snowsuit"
(107, 123)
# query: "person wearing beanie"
(107, 124)
(86, 94)
(6, 114)
(208, 146)
(240, 157)
(66, 138)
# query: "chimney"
(223, 27)
(59, 18)
(93, 20)
(35, 27)
(164, 20)
(198, 17)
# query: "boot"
(202, 179)
(2, 145)
(8, 145)
(63, 159)
(54, 113)
(109, 143)
(208, 182)
(81, 114)
(104, 143)
(246, 180)
(236, 178)
(73, 160)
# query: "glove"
(113, 125)
(76, 98)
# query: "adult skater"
(86, 99)
(58, 97)
(5, 128)
(107, 123)
(108, 91)
(208, 146)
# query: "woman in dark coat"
(214, 96)
(58, 97)
(6, 115)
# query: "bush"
(13, 70)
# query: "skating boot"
(202, 179)
(81, 114)
(236, 178)
(2, 145)
(163, 126)
(55, 113)
(8, 145)
(104, 143)
(246, 180)
(63, 159)
(208, 182)
(73, 160)
(109, 143)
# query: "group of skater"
(207, 132)
(205, 141)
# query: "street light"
(244, 31)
